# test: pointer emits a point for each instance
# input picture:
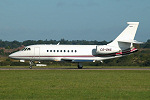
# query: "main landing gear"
(31, 64)
(80, 66)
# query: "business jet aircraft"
(121, 46)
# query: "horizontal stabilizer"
(131, 41)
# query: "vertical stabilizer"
(126, 38)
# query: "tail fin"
(126, 39)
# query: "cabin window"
(54, 50)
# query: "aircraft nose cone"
(15, 55)
(11, 55)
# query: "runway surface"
(75, 69)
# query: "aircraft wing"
(77, 60)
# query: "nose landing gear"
(31, 64)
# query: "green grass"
(74, 85)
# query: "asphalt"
(75, 69)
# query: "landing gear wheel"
(31, 63)
(80, 66)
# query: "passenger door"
(37, 53)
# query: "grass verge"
(74, 84)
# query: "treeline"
(16, 44)
(146, 44)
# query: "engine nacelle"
(107, 49)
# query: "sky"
(72, 19)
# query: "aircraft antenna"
(58, 43)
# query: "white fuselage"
(54, 52)
(59, 53)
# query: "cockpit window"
(29, 49)
(26, 49)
